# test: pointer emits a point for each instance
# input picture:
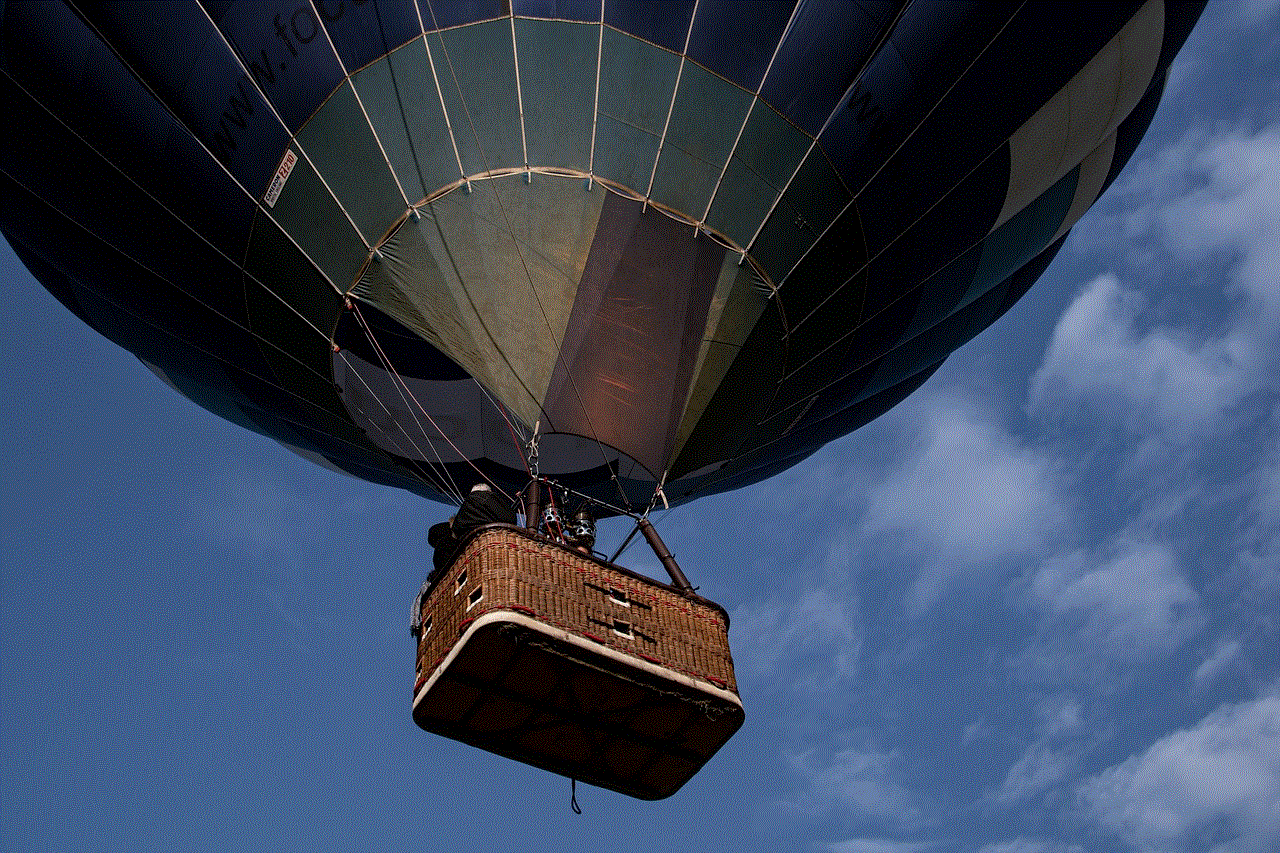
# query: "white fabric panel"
(1085, 112)
(1093, 173)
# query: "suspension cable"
(406, 390)
(452, 490)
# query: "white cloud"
(1212, 203)
(864, 783)
(1039, 768)
(1046, 762)
(1059, 717)
(780, 635)
(1031, 845)
(1222, 774)
(1223, 656)
(970, 494)
(1234, 210)
(879, 845)
(1133, 605)
(1153, 381)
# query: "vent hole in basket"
(619, 596)
(474, 598)
(460, 583)
(622, 629)
(426, 626)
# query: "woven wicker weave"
(566, 662)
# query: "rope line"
(750, 108)
(398, 378)
(292, 137)
(455, 492)
(671, 108)
(439, 485)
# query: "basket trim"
(506, 615)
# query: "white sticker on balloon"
(282, 175)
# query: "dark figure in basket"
(481, 506)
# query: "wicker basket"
(551, 657)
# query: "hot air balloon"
(642, 250)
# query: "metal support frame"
(678, 580)
(532, 505)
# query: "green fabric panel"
(636, 81)
(624, 154)
(557, 83)
(771, 146)
(742, 202)
(309, 214)
(482, 103)
(706, 116)
(683, 182)
(301, 355)
(457, 279)
(274, 260)
(767, 155)
(814, 199)
(739, 300)
(400, 96)
(705, 119)
(1023, 237)
(343, 149)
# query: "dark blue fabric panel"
(827, 44)
(833, 260)
(737, 39)
(287, 38)
(823, 350)
(123, 299)
(929, 48)
(912, 229)
(168, 162)
(55, 164)
(560, 10)
(665, 24)
(439, 14)
(878, 347)
(991, 98)
(187, 65)
(362, 31)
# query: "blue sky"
(1034, 609)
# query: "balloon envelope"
(689, 243)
